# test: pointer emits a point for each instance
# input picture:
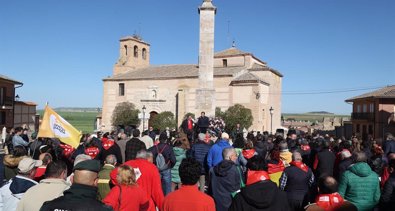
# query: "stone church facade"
(238, 77)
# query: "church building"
(219, 80)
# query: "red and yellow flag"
(54, 126)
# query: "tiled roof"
(247, 78)
(171, 71)
(230, 52)
(258, 67)
(386, 92)
(9, 79)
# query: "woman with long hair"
(127, 195)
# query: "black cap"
(88, 165)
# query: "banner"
(54, 126)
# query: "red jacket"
(189, 198)
(131, 198)
(329, 202)
(148, 179)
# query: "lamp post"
(144, 116)
(17, 97)
(271, 119)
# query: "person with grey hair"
(345, 162)
(359, 184)
(199, 152)
(296, 180)
(103, 184)
(226, 178)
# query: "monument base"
(205, 101)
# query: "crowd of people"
(216, 171)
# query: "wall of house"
(6, 104)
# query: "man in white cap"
(12, 192)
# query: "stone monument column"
(205, 94)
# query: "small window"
(358, 108)
(370, 132)
(2, 118)
(224, 62)
(2, 95)
(144, 53)
(126, 49)
(121, 89)
(358, 129)
(365, 108)
(136, 51)
(154, 94)
(371, 108)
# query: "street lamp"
(144, 116)
(17, 97)
(271, 119)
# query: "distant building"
(7, 100)
(373, 112)
(220, 79)
(14, 113)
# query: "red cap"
(256, 176)
(248, 153)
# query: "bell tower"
(133, 54)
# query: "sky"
(327, 50)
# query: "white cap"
(27, 164)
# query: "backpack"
(160, 159)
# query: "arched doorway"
(152, 116)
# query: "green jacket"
(104, 181)
(180, 154)
(360, 185)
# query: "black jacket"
(132, 147)
(343, 165)
(203, 122)
(113, 150)
(387, 200)
(224, 180)
(77, 198)
(259, 197)
(326, 161)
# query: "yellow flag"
(54, 126)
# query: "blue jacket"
(215, 154)
(199, 151)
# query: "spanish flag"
(54, 126)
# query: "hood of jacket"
(11, 161)
(21, 184)
(223, 143)
(361, 169)
(178, 151)
(260, 195)
(223, 168)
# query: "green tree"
(125, 114)
(189, 114)
(219, 113)
(163, 120)
(237, 114)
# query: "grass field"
(83, 121)
(310, 117)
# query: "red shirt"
(132, 198)
(190, 126)
(329, 202)
(188, 198)
(40, 173)
(148, 179)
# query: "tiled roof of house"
(247, 78)
(9, 79)
(171, 72)
(386, 92)
(258, 67)
(230, 52)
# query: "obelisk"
(205, 94)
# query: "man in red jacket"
(147, 176)
(188, 197)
